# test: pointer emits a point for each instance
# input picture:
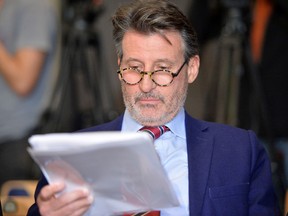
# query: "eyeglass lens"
(133, 76)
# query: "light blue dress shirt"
(172, 150)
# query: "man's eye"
(134, 67)
(162, 68)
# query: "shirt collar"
(177, 125)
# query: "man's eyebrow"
(132, 59)
(157, 61)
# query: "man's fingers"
(73, 196)
(78, 206)
(68, 203)
(50, 191)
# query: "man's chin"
(149, 112)
(148, 118)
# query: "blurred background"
(242, 81)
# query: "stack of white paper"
(122, 170)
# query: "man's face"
(147, 103)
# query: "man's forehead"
(152, 46)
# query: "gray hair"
(153, 16)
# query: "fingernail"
(90, 199)
(85, 191)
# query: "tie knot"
(155, 132)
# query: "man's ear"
(119, 62)
(193, 68)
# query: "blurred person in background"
(269, 45)
(269, 40)
(28, 60)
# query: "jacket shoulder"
(114, 125)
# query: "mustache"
(142, 96)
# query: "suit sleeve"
(262, 197)
(34, 210)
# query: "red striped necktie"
(150, 213)
(155, 132)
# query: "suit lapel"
(199, 150)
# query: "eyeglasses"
(161, 77)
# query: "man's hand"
(71, 203)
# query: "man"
(28, 57)
(214, 169)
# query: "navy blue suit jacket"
(229, 171)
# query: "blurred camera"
(85, 10)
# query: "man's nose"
(147, 84)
